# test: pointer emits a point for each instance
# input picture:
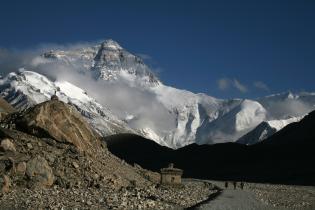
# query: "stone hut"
(171, 175)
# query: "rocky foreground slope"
(50, 158)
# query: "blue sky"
(223, 48)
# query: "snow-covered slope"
(229, 127)
(265, 130)
(125, 96)
(28, 88)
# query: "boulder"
(7, 145)
(21, 168)
(29, 146)
(75, 165)
(5, 184)
(60, 121)
(6, 164)
(38, 170)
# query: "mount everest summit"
(118, 93)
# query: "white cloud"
(288, 107)
(223, 83)
(226, 83)
(238, 85)
(262, 86)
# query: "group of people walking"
(241, 185)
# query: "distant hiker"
(242, 185)
(234, 184)
(226, 184)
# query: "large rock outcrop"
(60, 121)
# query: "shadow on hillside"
(263, 163)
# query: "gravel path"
(235, 199)
(261, 196)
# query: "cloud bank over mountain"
(125, 100)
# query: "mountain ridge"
(128, 98)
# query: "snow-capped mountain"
(107, 61)
(125, 96)
(265, 130)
